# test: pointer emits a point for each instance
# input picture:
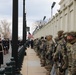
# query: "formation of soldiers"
(57, 55)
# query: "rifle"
(59, 59)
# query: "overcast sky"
(35, 10)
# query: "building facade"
(65, 20)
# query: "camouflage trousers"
(59, 70)
(68, 71)
(56, 71)
(71, 71)
(48, 68)
(53, 70)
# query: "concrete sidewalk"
(31, 64)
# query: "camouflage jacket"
(73, 51)
(49, 46)
(60, 56)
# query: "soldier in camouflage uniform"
(40, 46)
(71, 52)
(60, 56)
(43, 51)
(48, 57)
(36, 44)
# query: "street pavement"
(31, 64)
(6, 58)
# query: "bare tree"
(5, 28)
(38, 25)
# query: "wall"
(65, 20)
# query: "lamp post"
(53, 4)
(24, 23)
(25, 29)
(15, 31)
(44, 18)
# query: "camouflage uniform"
(60, 56)
(36, 45)
(40, 44)
(48, 57)
(74, 59)
(43, 51)
(49, 51)
(71, 52)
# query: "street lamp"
(15, 31)
(44, 18)
(53, 4)
(24, 23)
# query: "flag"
(30, 36)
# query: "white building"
(65, 20)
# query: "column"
(74, 7)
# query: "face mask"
(69, 37)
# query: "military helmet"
(49, 37)
(42, 37)
(72, 33)
(60, 32)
